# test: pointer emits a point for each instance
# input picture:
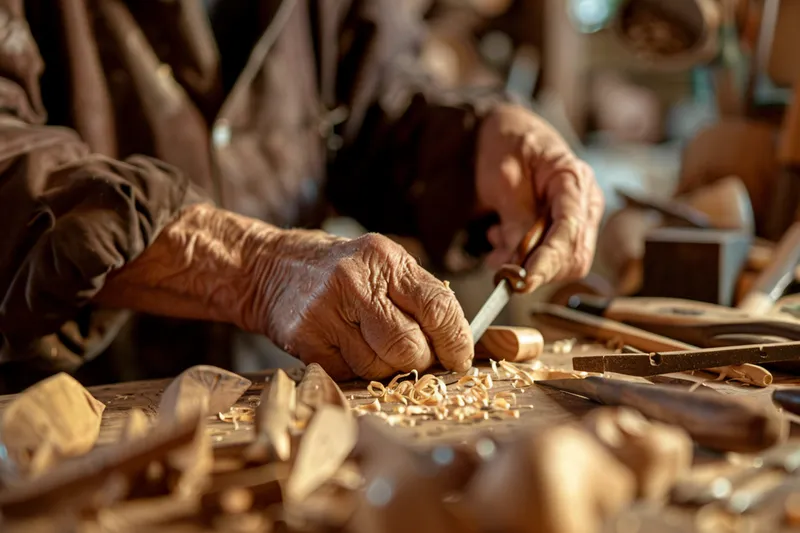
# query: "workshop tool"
(673, 210)
(610, 330)
(685, 360)
(715, 421)
(698, 323)
(772, 282)
(509, 343)
(698, 264)
(604, 329)
(788, 399)
(510, 278)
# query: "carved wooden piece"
(657, 454)
(326, 443)
(400, 488)
(75, 483)
(510, 343)
(274, 420)
(52, 420)
(524, 487)
(207, 388)
(317, 388)
(202, 389)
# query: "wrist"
(201, 266)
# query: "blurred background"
(682, 107)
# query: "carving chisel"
(715, 421)
(509, 279)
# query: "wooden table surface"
(543, 408)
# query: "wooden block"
(697, 264)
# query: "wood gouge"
(510, 278)
(715, 421)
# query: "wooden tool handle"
(510, 344)
(715, 421)
(789, 399)
(672, 311)
(604, 329)
(515, 272)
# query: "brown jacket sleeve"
(407, 164)
(68, 217)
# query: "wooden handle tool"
(510, 343)
(510, 278)
(697, 323)
(715, 421)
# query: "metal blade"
(488, 313)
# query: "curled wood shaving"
(746, 373)
(410, 397)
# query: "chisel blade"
(490, 310)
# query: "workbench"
(542, 408)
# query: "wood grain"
(510, 343)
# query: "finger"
(569, 202)
(437, 311)
(360, 357)
(588, 246)
(395, 337)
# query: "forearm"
(210, 264)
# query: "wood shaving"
(564, 346)
(410, 397)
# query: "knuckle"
(441, 308)
(374, 243)
(406, 352)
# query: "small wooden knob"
(510, 343)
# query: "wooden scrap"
(316, 389)
(136, 426)
(52, 420)
(510, 343)
(399, 481)
(657, 454)
(73, 484)
(559, 481)
(207, 388)
(199, 390)
(325, 445)
(274, 420)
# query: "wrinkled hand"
(360, 307)
(523, 166)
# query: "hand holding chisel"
(510, 278)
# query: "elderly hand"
(525, 169)
(360, 307)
